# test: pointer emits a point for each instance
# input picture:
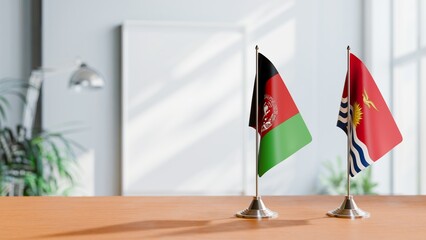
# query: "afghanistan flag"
(374, 131)
(281, 127)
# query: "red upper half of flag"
(371, 117)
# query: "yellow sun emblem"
(357, 114)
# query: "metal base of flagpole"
(257, 209)
(348, 209)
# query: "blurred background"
(172, 115)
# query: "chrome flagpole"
(348, 209)
(257, 208)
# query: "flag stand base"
(257, 209)
(348, 209)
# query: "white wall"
(305, 39)
(15, 48)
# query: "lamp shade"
(86, 77)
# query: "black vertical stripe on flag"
(266, 71)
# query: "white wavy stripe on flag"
(353, 172)
(342, 119)
(343, 110)
(364, 149)
(365, 152)
(357, 160)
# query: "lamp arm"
(31, 100)
(52, 70)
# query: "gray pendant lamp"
(86, 77)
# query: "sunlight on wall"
(267, 12)
(207, 51)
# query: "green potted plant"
(33, 166)
(334, 180)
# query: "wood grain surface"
(300, 217)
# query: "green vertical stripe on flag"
(282, 141)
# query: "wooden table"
(301, 217)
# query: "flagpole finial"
(348, 48)
(257, 47)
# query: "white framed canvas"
(184, 116)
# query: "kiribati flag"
(374, 131)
